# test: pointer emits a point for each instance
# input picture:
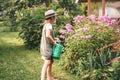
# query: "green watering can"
(57, 50)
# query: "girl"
(47, 42)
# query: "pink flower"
(84, 29)
(62, 37)
(91, 17)
(82, 36)
(114, 21)
(88, 36)
(81, 29)
(68, 26)
(76, 35)
(70, 31)
(62, 31)
(110, 24)
(104, 18)
(77, 18)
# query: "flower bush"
(82, 41)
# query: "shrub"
(72, 8)
(82, 41)
(31, 22)
(28, 17)
(115, 70)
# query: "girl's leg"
(44, 68)
(49, 69)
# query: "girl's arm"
(49, 37)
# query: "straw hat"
(49, 13)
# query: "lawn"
(19, 63)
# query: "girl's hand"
(57, 40)
(54, 43)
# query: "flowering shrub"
(82, 41)
(91, 28)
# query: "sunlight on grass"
(12, 41)
(10, 38)
(4, 28)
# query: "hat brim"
(49, 16)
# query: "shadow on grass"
(5, 49)
(9, 43)
(17, 62)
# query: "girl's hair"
(48, 19)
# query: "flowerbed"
(82, 41)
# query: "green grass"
(4, 28)
(19, 63)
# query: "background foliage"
(27, 17)
(82, 36)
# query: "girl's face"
(53, 19)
